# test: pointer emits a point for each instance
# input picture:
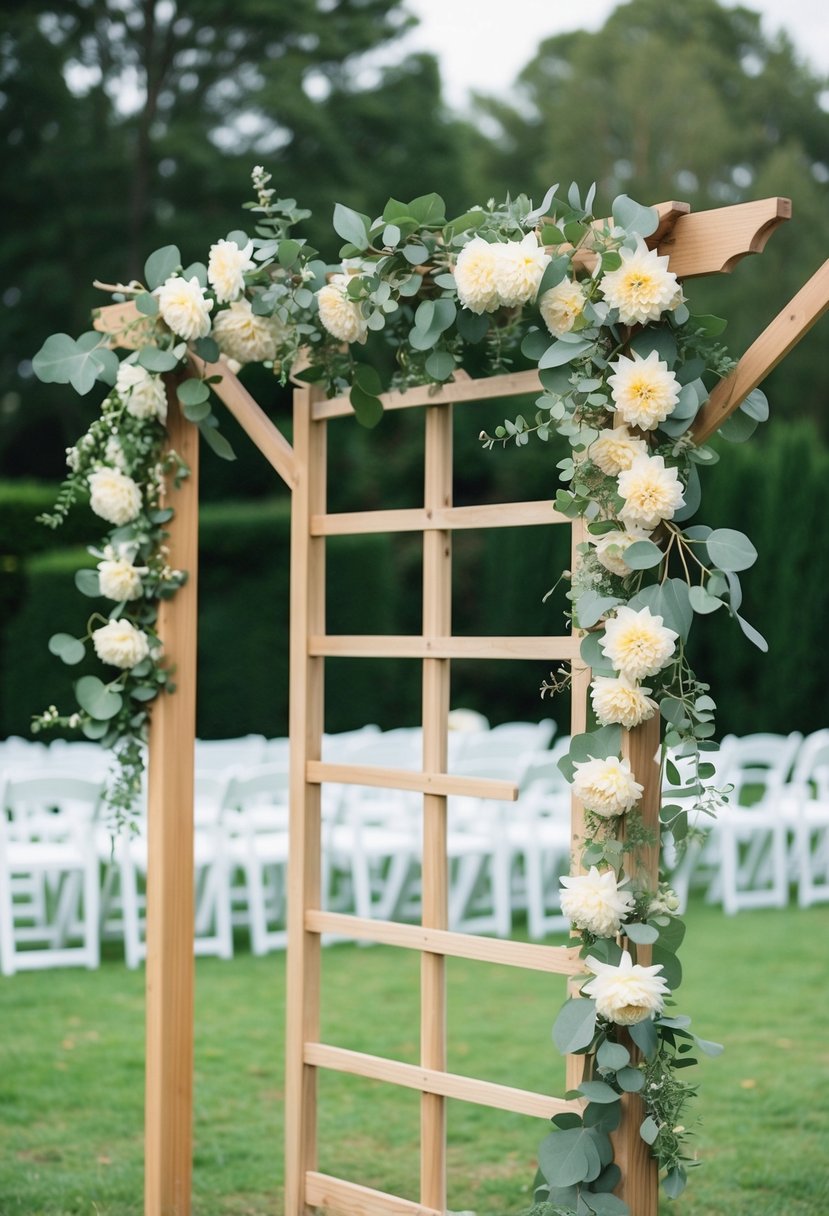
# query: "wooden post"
(437, 620)
(170, 908)
(306, 727)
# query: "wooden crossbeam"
(713, 242)
(453, 519)
(773, 344)
(554, 960)
(337, 1197)
(436, 1081)
(443, 784)
(387, 646)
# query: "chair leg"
(7, 951)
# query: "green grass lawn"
(71, 1077)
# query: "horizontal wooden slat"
(512, 385)
(418, 519)
(392, 646)
(404, 779)
(555, 960)
(342, 1198)
(432, 1081)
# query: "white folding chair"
(804, 806)
(750, 834)
(47, 842)
(255, 823)
(216, 755)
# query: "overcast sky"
(483, 44)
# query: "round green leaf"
(192, 392)
(702, 602)
(440, 364)
(575, 1025)
(67, 648)
(649, 1130)
(198, 411)
(612, 1055)
(642, 555)
(156, 360)
(731, 550)
(160, 265)
(87, 582)
(99, 701)
(598, 1091)
(630, 1079)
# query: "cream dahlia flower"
(651, 492)
(184, 307)
(644, 391)
(562, 306)
(618, 701)
(628, 992)
(340, 316)
(119, 580)
(610, 549)
(143, 394)
(519, 267)
(114, 496)
(642, 288)
(665, 902)
(120, 643)
(226, 268)
(243, 336)
(637, 643)
(615, 450)
(595, 902)
(606, 787)
(475, 276)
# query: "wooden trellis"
(705, 243)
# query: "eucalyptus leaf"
(598, 1091)
(575, 1025)
(368, 408)
(649, 1130)
(634, 217)
(216, 440)
(642, 555)
(591, 607)
(612, 1055)
(192, 392)
(644, 1036)
(70, 650)
(352, 226)
(752, 634)
(99, 701)
(146, 304)
(472, 326)
(632, 1080)
(674, 1182)
(731, 550)
(440, 364)
(88, 582)
(756, 405)
(737, 427)
(603, 1203)
(702, 602)
(563, 352)
(156, 360)
(643, 935)
(160, 265)
(569, 1157)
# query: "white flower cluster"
(184, 307)
(626, 993)
(341, 316)
(642, 288)
(500, 274)
(143, 394)
(120, 643)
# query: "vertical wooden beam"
(437, 621)
(306, 728)
(579, 691)
(170, 917)
(639, 1187)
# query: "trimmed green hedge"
(773, 488)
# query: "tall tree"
(136, 123)
(687, 101)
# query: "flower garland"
(623, 368)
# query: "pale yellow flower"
(619, 701)
(243, 336)
(615, 450)
(562, 306)
(226, 269)
(626, 993)
(610, 549)
(120, 643)
(644, 391)
(339, 315)
(143, 394)
(637, 643)
(651, 492)
(519, 268)
(114, 496)
(642, 288)
(595, 902)
(119, 580)
(475, 276)
(184, 308)
(606, 787)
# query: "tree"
(692, 102)
(137, 124)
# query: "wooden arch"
(704, 243)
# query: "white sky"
(484, 44)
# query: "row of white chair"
(63, 879)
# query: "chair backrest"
(78, 756)
(812, 758)
(759, 765)
(56, 807)
(217, 754)
(263, 789)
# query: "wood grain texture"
(168, 1115)
(389, 646)
(439, 784)
(341, 1198)
(421, 519)
(304, 865)
(555, 960)
(437, 1083)
(713, 242)
(764, 354)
